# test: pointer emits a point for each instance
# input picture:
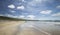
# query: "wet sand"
(29, 28)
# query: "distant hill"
(9, 18)
(17, 19)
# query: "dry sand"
(9, 27)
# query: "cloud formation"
(46, 12)
(30, 16)
(11, 6)
(20, 7)
(12, 11)
(56, 14)
(58, 7)
(21, 16)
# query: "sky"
(31, 9)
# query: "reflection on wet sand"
(29, 28)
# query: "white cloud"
(41, 1)
(9, 15)
(38, 1)
(1, 15)
(30, 16)
(46, 12)
(15, 16)
(12, 11)
(58, 6)
(23, 0)
(11, 6)
(21, 7)
(34, 2)
(21, 16)
(57, 14)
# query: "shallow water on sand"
(30, 28)
(42, 28)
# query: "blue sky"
(31, 9)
